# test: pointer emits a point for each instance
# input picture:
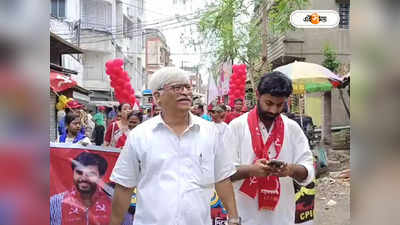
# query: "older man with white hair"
(174, 160)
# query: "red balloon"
(237, 92)
(108, 71)
(126, 93)
(118, 62)
(109, 64)
(119, 81)
(112, 83)
(113, 76)
(127, 86)
(126, 76)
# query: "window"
(128, 28)
(344, 13)
(58, 8)
(96, 15)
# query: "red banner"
(80, 190)
(60, 82)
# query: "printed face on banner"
(79, 193)
(86, 178)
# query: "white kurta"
(174, 175)
(295, 149)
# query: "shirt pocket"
(203, 166)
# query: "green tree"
(238, 31)
(330, 60)
(333, 64)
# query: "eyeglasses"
(178, 87)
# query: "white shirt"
(295, 149)
(221, 127)
(85, 141)
(174, 175)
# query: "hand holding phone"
(276, 164)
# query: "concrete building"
(307, 45)
(58, 49)
(104, 29)
(157, 52)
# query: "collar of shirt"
(264, 131)
(194, 122)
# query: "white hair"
(167, 75)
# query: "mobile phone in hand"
(276, 163)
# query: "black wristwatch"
(235, 221)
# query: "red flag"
(60, 82)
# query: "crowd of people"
(78, 125)
(178, 157)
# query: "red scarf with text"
(268, 188)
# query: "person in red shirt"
(237, 111)
(86, 202)
(119, 128)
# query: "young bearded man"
(85, 203)
(264, 187)
(174, 160)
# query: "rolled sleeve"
(127, 168)
(224, 166)
(304, 157)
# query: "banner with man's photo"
(81, 192)
(80, 189)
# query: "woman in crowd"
(117, 129)
(73, 128)
(134, 119)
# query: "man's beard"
(265, 116)
(92, 188)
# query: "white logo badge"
(314, 18)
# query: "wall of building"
(309, 43)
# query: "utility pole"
(264, 35)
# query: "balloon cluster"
(237, 83)
(120, 81)
(62, 102)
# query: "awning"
(60, 82)
(147, 92)
(63, 46)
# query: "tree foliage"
(330, 60)
(232, 29)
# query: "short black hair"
(276, 84)
(122, 104)
(71, 116)
(238, 100)
(90, 159)
(138, 114)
